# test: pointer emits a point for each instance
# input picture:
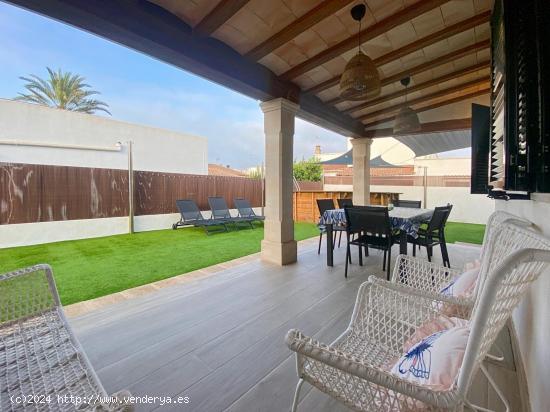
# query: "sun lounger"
(245, 210)
(220, 211)
(192, 216)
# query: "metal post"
(426, 187)
(130, 188)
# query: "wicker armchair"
(354, 368)
(39, 354)
(430, 277)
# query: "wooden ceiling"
(298, 49)
(443, 45)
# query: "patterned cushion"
(434, 360)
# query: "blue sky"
(143, 90)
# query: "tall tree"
(63, 90)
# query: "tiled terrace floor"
(218, 338)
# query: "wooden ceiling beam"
(431, 127)
(311, 18)
(222, 12)
(152, 30)
(433, 82)
(439, 61)
(369, 33)
(425, 42)
(440, 93)
(447, 102)
(443, 34)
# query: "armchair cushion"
(435, 360)
(432, 326)
(463, 285)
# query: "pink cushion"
(435, 325)
(463, 285)
(435, 360)
(476, 264)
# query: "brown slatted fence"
(43, 193)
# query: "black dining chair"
(434, 234)
(344, 202)
(413, 204)
(372, 227)
(323, 205)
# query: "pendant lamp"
(406, 120)
(360, 80)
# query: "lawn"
(464, 232)
(89, 268)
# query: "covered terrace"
(226, 350)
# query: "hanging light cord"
(359, 36)
(366, 10)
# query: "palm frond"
(64, 90)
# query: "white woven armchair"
(41, 362)
(429, 277)
(354, 368)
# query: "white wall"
(532, 317)
(451, 166)
(24, 234)
(154, 149)
(467, 208)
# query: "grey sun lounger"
(245, 210)
(192, 216)
(220, 211)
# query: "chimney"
(317, 150)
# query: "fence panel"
(156, 193)
(42, 193)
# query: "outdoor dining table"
(406, 220)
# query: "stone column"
(278, 245)
(361, 171)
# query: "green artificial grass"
(464, 232)
(89, 268)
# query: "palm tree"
(63, 90)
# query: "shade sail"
(347, 159)
(420, 144)
(427, 144)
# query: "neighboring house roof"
(220, 170)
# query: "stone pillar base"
(279, 253)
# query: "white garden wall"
(154, 149)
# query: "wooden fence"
(305, 203)
(156, 193)
(41, 193)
